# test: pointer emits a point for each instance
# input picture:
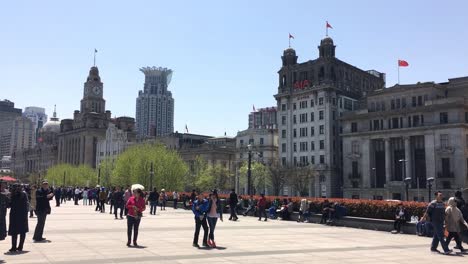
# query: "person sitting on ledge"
(424, 228)
(400, 218)
(302, 209)
(252, 206)
(332, 213)
(283, 212)
(325, 211)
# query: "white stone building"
(417, 131)
(116, 142)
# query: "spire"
(54, 115)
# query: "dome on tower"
(326, 41)
(53, 125)
(289, 57)
(94, 74)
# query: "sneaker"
(213, 244)
(128, 244)
(204, 244)
(435, 250)
(448, 252)
(210, 244)
(265, 220)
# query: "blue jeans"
(212, 223)
(439, 237)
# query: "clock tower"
(93, 100)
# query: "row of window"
(304, 160)
(251, 141)
(303, 146)
(303, 131)
(348, 103)
(398, 103)
(398, 122)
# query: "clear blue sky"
(225, 54)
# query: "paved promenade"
(78, 234)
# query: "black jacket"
(233, 199)
(117, 197)
(18, 214)
(42, 202)
(153, 197)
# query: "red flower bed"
(355, 207)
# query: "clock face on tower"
(96, 90)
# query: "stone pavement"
(78, 234)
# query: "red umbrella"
(8, 179)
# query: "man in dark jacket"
(58, 195)
(117, 197)
(43, 196)
(436, 213)
(232, 205)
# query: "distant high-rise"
(155, 105)
(8, 113)
(38, 116)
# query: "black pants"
(111, 206)
(63, 199)
(163, 205)
(153, 207)
(41, 218)
(57, 201)
(261, 211)
(98, 206)
(76, 199)
(134, 224)
(456, 236)
(212, 223)
(102, 206)
(233, 216)
(116, 207)
(397, 224)
(14, 241)
(175, 204)
(200, 223)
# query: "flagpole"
(326, 29)
(94, 64)
(289, 39)
(398, 65)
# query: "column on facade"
(429, 147)
(408, 162)
(388, 162)
(365, 164)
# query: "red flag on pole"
(328, 25)
(291, 36)
(403, 63)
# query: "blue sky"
(225, 54)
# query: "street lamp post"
(407, 182)
(249, 170)
(64, 173)
(99, 174)
(151, 176)
(374, 178)
(429, 187)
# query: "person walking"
(262, 208)
(96, 193)
(118, 198)
(214, 211)
(232, 205)
(135, 206)
(63, 195)
(4, 203)
(436, 213)
(454, 222)
(102, 199)
(77, 195)
(127, 195)
(43, 196)
(199, 208)
(58, 196)
(110, 199)
(153, 199)
(18, 218)
(163, 198)
(32, 202)
(175, 198)
(85, 196)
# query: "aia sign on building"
(301, 84)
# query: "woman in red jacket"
(135, 206)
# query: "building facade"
(264, 145)
(8, 113)
(263, 118)
(155, 105)
(415, 132)
(38, 117)
(79, 137)
(117, 140)
(311, 97)
(43, 155)
(22, 134)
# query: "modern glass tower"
(155, 105)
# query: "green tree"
(69, 175)
(261, 176)
(134, 166)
